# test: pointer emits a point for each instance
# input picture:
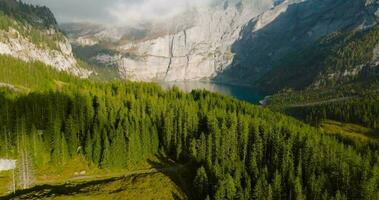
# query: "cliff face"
(29, 33)
(61, 58)
(192, 46)
(199, 51)
(234, 41)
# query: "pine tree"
(25, 164)
(200, 183)
(298, 189)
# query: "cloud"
(116, 11)
(148, 10)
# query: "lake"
(244, 93)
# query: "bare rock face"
(29, 33)
(233, 41)
(197, 52)
(194, 45)
(14, 44)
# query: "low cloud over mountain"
(118, 12)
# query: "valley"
(169, 107)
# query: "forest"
(356, 110)
(237, 150)
(241, 151)
(33, 15)
(355, 102)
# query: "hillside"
(120, 126)
(335, 78)
(30, 33)
(354, 104)
(31, 76)
(287, 31)
(334, 60)
(33, 15)
(65, 137)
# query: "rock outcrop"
(30, 33)
(14, 44)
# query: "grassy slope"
(353, 131)
(151, 186)
(154, 185)
(5, 181)
(31, 76)
(103, 184)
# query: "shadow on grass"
(181, 174)
(43, 191)
(176, 196)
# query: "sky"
(116, 11)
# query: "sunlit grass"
(99, 183)
(148, 186)
(5, 181)
(349, 130)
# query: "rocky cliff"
(233, 41)
(199, 51)
(29, 37)
(195, 45)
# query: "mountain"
(73, 138)
(235, 42)
(261, 49)
(30, 33)
(333, 60)
(193, 45)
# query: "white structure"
(6, 165)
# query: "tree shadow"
(176, 197)
(43, 191)
(180, 173)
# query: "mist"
(117, 12)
